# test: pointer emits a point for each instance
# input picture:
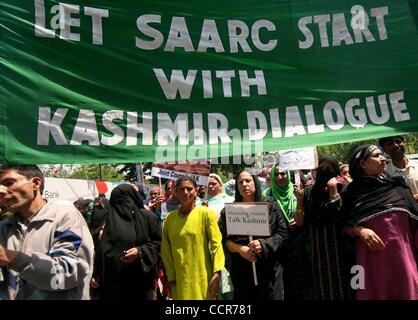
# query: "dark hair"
(29, 171)
(382, 141)
(85, 202)
(167, 183)
(332, 161)
(183, 179)
(258, 192)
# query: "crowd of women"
(331, 237)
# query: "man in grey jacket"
(46, 251)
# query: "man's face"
(395, 148)
(201, 191)
(154, 193)
(16, 191)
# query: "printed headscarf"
(360, 153)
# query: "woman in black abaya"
(330, 260)
(131, 246)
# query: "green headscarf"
(284, 195)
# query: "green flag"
(133, 81)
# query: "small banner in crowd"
(296, 159)
(197, 170)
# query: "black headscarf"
(98, 216)
(125, 199)
(323, 175)
(368, 196)
(316, 198)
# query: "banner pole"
(254, 269)
(297, 177)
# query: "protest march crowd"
(344, 232)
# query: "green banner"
(99, 81)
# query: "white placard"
(197, 170)
(296, 159)
(174, 175)
(249, 219)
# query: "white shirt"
(410, 174)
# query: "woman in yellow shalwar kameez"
(191, 247)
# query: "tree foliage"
(128, 170)
(108, 172)
(343, 151)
